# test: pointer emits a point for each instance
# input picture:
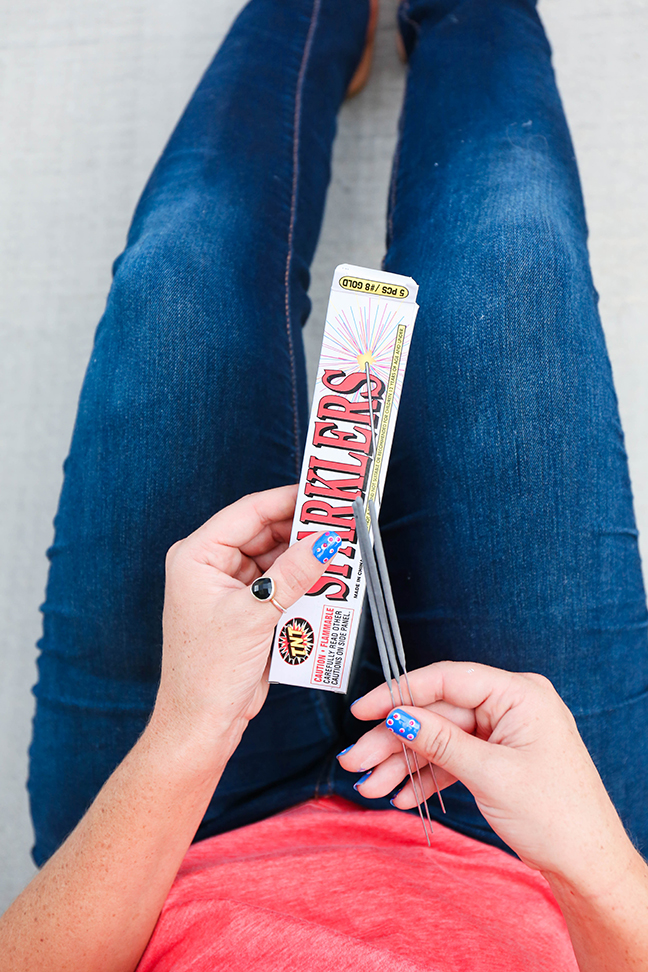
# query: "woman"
(507, 519)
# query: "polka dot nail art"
(403, 724)
(326, 547)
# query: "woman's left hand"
(510, 738)
(217, 636)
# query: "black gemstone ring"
(263, 589)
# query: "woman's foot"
(400, 47)
(363, 70)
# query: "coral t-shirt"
(331, 887)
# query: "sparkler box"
(366, 342)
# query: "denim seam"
(293, 217)
(405, 7)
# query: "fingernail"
(345, 750)
(357, 700)
(326, 547)
(403, 724)
(362, 780)
(395, 795)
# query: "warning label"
(331, 646)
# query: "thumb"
(298, 567)
(442, 743)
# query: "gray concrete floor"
(89, 92)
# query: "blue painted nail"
(403, 724)
(345, 750)
(356, 700)
(396, 794)
(362, 780)
(326, 547)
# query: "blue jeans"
(507, 514)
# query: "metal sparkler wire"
(384, 639)
(393, 618)
(387, 610)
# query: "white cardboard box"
(370, 319)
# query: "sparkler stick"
(382, 609)
(383, 638)
(393, 619)
(387, 601)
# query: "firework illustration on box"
(366, 342)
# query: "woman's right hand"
(217, 636)
(514, 743)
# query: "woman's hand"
(96, 901)
(514, 743)
(217, 636)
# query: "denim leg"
(507, 515)
(195, 395)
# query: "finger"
(407, 798)
(266, 560)
(384, 777)
(378, 743)
(297, 569)
(238, 564)
(439, 741)
(268, 538)
(248, 570)
(371, 749)
(293, 573)
(248, 567)
(238, 524)
(378, 754)
(464, 684)
(389, 774)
